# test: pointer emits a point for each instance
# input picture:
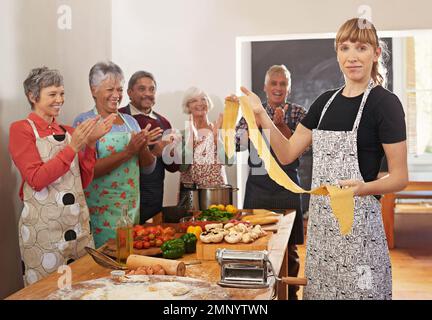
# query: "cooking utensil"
(249, 270)
(189, 196)
(103, 260)
(192, 262)
(209, 195)
(106, 262)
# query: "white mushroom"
(241, 228)
(210, 226)
(259, 230)
(212, 236)
(229, 225)
(233, 237)
(246, 238)
(254, 235)
(217, 236)
(205, 237)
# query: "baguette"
(253, 219)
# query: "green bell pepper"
(190, 241)
(173, 249)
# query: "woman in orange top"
(55, 162)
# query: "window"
(418, 55)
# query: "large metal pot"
(215, 195)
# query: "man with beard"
(142, 90)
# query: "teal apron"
(107, 194)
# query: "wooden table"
(86, 269)
(388, 202)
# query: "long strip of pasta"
(341, 200)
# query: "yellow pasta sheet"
(341, 200)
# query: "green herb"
(215, 214)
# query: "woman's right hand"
(254, 101)
(136, 142)
(81, 133)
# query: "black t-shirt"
(382, 121)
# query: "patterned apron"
(205, 169)
(54, 226)
(107, 194)
(356, 266)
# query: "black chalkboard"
(312, 63)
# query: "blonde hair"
(276, 69)
(362, 30)
(191, 93)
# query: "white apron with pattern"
(54, 226)
(355, 266)
(205, 169)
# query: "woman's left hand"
(152, 136)
(356, 185)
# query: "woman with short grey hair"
(203, 153)
(102, 70)
(121, 154)
(191, 94)
(56, 162)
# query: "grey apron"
(355, 266)
(263, 193)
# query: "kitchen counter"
(86, 269)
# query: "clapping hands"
(279, 116)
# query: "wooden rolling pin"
(172, 267)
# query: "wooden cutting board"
(207, 251)
(110, 250)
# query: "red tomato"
(138, 244)
(146, 244)
(141, 232)
(151, 229)
(158, 242)
(152, 243)
(169, 231)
